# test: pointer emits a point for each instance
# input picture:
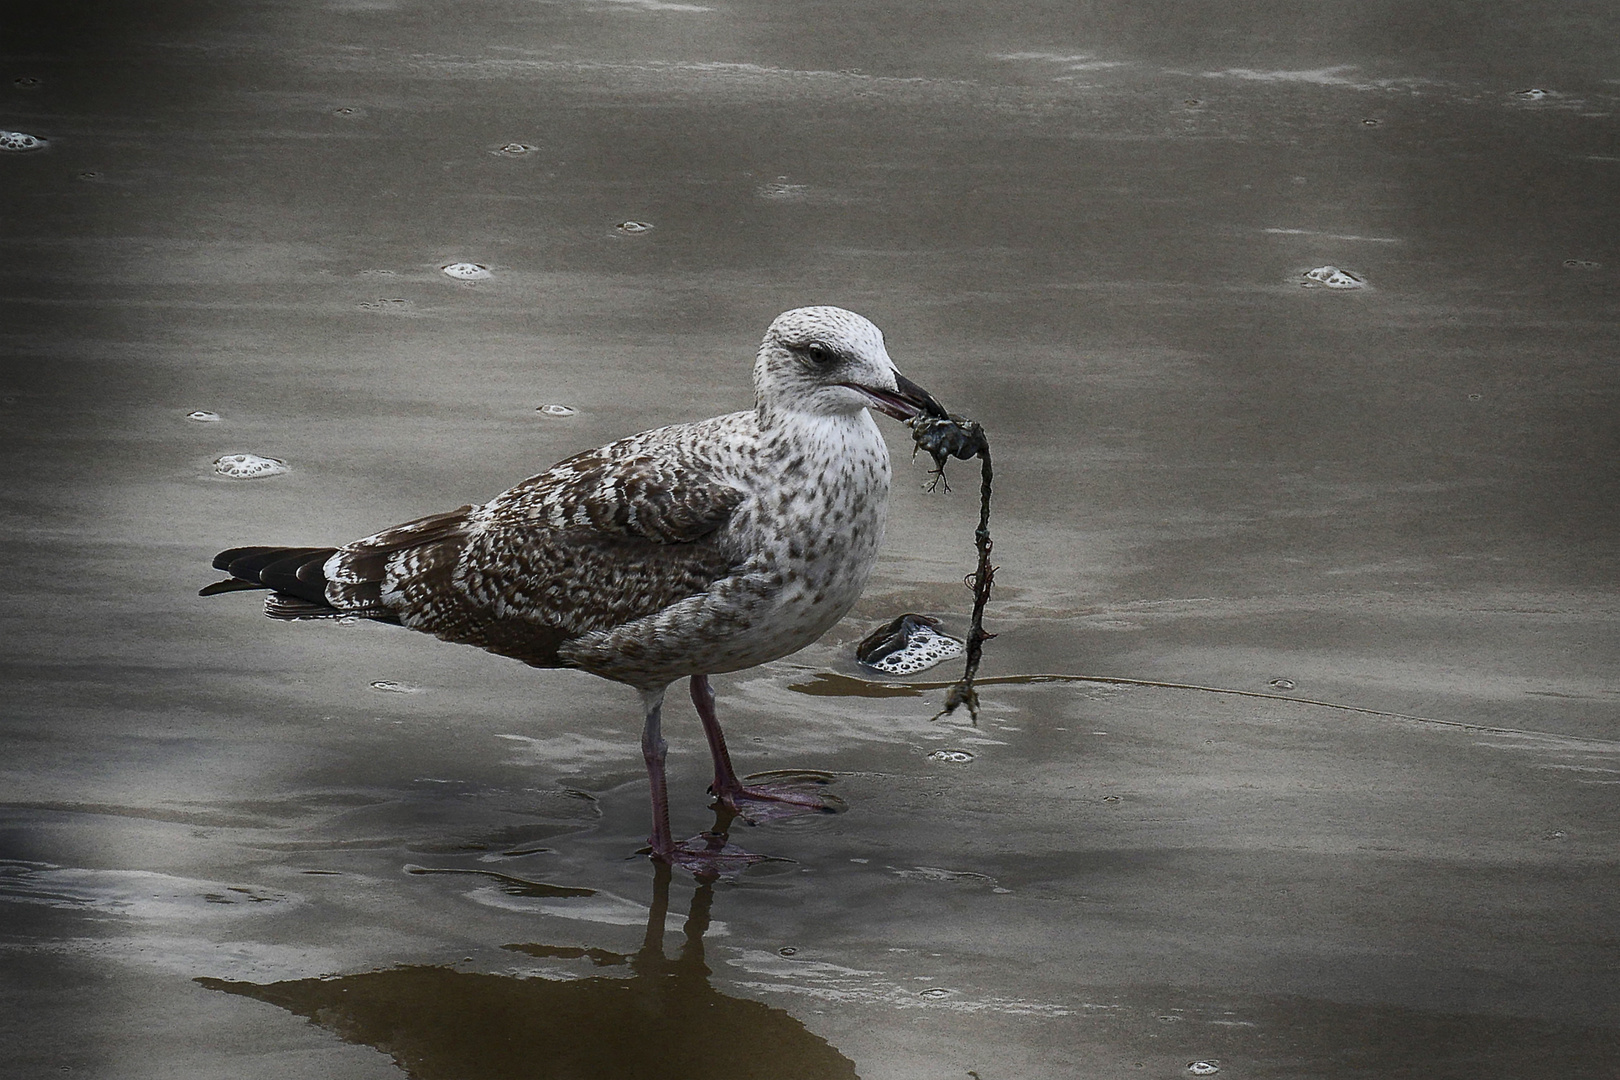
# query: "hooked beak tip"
(917, 396)
(905, 402)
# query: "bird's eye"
(819, 353)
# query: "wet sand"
(231, 845)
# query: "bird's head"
(828, 361)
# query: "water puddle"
(136, 894)
(597, 957)
(828, 982)
(511, 886)
(654, 1015)
(833, 684)
(940, 875)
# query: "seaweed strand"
(962, 692)
(944, 438)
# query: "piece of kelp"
(944, 438)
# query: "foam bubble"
(926, 648)
(515, 149)
(783, 191)
(203, 416)
(1203, 1068)
(466, 271)
(249, 466)
(557, 410)
(1530, 93)
(633, 227)
(17, 140)
(1281, 684)
(1331, 277)
(389, 686)
(956, 757)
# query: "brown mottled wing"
(597, 541)
(625, 490)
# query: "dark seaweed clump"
(945, 437)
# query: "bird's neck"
(827, 438)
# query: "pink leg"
(708, 855)
(779, 796)
(726, 784)
(653, 751)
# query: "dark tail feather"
(246, 562)
(296, 573)
(230, 584)
(295, 577)
(272, 568)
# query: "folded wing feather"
(597, 541)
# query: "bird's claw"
(773, 796)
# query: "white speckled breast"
(806, 537)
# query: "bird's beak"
(905, 402)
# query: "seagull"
(678, 553)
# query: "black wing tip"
(293, 570)
(228, 585)
(297, 578)
(223, 560)
(246, 562)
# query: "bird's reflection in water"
(661, 1019)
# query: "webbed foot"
(785, 793)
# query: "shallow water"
(230, 845)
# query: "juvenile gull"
(681, 552)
